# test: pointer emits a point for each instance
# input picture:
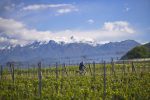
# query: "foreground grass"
(123, 84)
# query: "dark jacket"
(81, 66)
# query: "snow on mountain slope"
(59, 51)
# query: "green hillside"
(142, 51)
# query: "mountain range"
(52, 52)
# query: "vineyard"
(108, 81)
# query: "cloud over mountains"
(15, 32)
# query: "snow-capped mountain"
(63, 52)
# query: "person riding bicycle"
(81, 67)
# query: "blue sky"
(85, 20)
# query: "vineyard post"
(45, 71)
(63, 70)
(11, 65)
(104, 81)
(112, 64)
(13, 72)
(1, 71)
(123, 68)
(28, 69)
(49, 69)
(39, 78)
(56, 70)
(90, 69)
(128, 68)
(34, 71)
(133, 67)
(18, 68)
(94, 70)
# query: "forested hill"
(142, 51)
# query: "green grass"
(121, 85)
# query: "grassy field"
(121, 82)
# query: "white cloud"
(6, 40)
(18, 31)
(59, 8)
(10, 24)
(66, 10)
(15, 32)
(90, 21)
(9, 7)
(43, 6)
(127, 9)
(118, 26)
(63, 10)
